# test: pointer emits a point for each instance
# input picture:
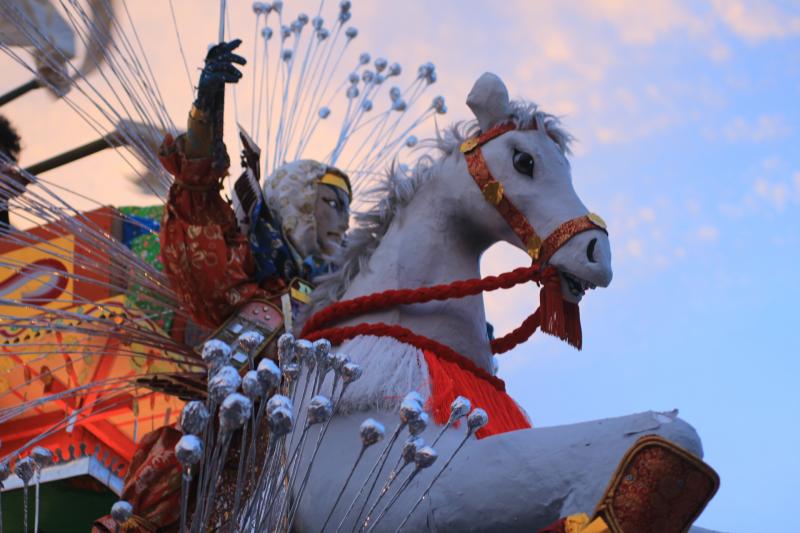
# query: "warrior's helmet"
(293, 193)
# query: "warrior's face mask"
(311, 202)
(332, 214)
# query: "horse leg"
(516, 481)
(526, 479)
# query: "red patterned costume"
(209, 265)
(206, 258)
(152, 486)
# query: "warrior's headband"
(336, 178)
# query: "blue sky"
(686, 120)
(698, 175)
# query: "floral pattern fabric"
(206, 258)
(152, 486)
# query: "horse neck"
(427, 244)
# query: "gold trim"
(300, 295)
(598, 525)
(300, 290)
(494, 192)
(597, 220)
(469, 145)
(335, 181)
(534, 246)
(195, 113)
(575, 523)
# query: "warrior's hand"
(204, 132)
(218, 71)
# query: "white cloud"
(644, 23)
(707, 233)
(647, 214)
(718, 52)
(763, 128)
(756, 21)
(634, 247)
(775, 194)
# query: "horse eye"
(523, 162)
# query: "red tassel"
(448, 380)
(573, 326)
(559, 318)
(551, 304)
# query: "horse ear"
(488, 100)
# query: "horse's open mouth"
(577, 286)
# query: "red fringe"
(451, 375)
(559, 318)
(449, 380)
(573, 326)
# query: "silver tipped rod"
(381, 460)
(221, 33)
(317, 446)
(398, 468)
(341, 491)
(476, 420)
(410, 411)
(423, 458)
(239, 473)
(377, 468)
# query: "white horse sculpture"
(431, 228)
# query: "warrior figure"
(292, 231)
(214, 266)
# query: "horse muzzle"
(584, 263)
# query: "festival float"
(303, 347)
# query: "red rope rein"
(548, 276)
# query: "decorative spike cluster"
(302, 95)
(25, 468)
(234, 411)
(224, 383)
(371, 432)
(121, 512)
(189, 450)
(194, 418)
(311, 94)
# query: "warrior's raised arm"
(205, 256)
(205, 127)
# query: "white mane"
(398, 187)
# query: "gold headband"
(335, 180)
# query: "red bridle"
(540, 250)
(555, 316)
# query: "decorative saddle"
(658, 487)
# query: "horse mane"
(399, 185)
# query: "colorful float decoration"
(385, 412)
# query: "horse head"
(525, 177)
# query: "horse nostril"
(590, 251)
